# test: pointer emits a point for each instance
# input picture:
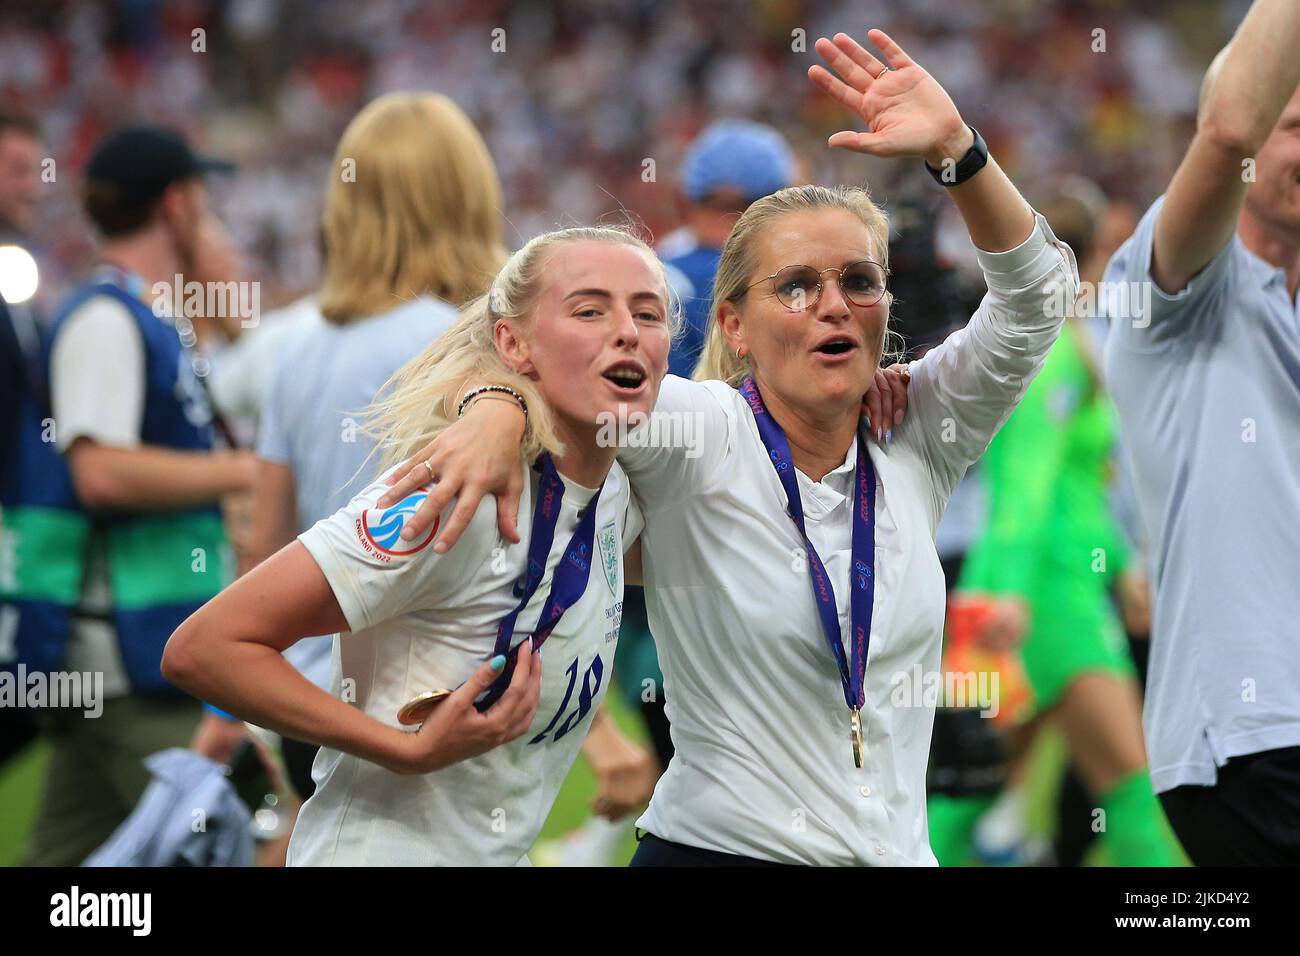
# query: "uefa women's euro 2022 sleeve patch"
(376, 574)
(379, 530)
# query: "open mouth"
(836, 346)
(625, 376)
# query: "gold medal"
(855, 735)
(417, 709)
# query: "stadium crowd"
(583, 93)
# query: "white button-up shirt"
(763, 764)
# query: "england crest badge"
(609, 550)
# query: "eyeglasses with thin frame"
(799, 287)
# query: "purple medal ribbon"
(567, 584)
(862, 576)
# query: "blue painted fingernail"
(887, 434)
(498, 663)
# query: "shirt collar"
(1263, 271)
(836, 486)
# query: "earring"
(739, 357)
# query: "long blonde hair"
(419, 401)
(740, 260)
(413, 207)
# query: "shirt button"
(865, 791)
(880, 849)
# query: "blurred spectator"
(20, 150)
(120, 536)
(1044, 561)
(13, 384)
(733, 163)
(417, 232)
(20, 349)
(24, 266)
(241, 374)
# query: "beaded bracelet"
(503, 389)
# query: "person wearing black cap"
(117, 500)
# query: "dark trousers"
(657, 726)
(652, 851)
(298, 759)
(1250, 817)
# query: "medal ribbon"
(567, 584)
(862, 577)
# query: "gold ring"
(429, 468)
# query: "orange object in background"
(964, 653)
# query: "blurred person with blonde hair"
(412, 228)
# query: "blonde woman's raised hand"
(906, 111)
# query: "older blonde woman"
(790, 564)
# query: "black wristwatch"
(975, 159)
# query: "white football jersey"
(422, 621)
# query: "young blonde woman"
(791, 575)
(581, 318)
